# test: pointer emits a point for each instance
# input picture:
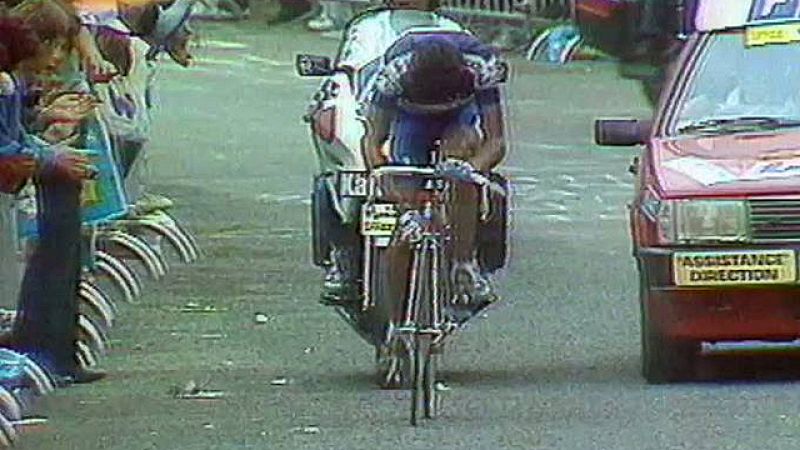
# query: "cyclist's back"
(433, 84)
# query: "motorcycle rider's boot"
(340, 287)
(473, 290)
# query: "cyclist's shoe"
(393, 365)
(473, 290)
(340, 287)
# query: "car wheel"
(664, 360)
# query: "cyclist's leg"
(462, 141)
(414, 136)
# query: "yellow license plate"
(735, 268)
(379, 220)
(772, 34)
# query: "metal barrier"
(516, 10)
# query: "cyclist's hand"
(457, 169)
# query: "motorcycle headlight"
(705, 221)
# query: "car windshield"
(732, 87)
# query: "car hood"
(738, 165)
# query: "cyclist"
(441, 87)
(367, 39)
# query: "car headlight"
(688, 221)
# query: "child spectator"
(38, 39)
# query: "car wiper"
(736, 123)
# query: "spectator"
(38, 39)
(333, 15)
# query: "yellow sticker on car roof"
(785, 33)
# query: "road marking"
(568, 194)
(566, 177)
(221, 45)
(556, 206)
(557, 218)
(219, 61)
(268, 61)
(281, 198)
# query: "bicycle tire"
(424, 368)
(416, 385)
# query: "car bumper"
(724, 312)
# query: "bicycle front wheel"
(424, 366)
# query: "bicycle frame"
(422, 325)
(373, 197)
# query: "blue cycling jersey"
(414, 132)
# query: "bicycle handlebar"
(475, 177)
(405, 170)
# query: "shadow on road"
(621, 370)
(717, 369)
(764, 368)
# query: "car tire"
(323, 218)
(664, 360)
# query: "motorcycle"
(406, 313)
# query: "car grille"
(775, 220)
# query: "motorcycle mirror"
(314, 66)
(505, 70)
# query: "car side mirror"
(621, 132)
(314, 66)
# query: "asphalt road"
(555, 367)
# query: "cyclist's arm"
(378, 113)
(493, 150)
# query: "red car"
(716, 219)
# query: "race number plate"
(758, 267)
(353, 184)
(379, 220)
